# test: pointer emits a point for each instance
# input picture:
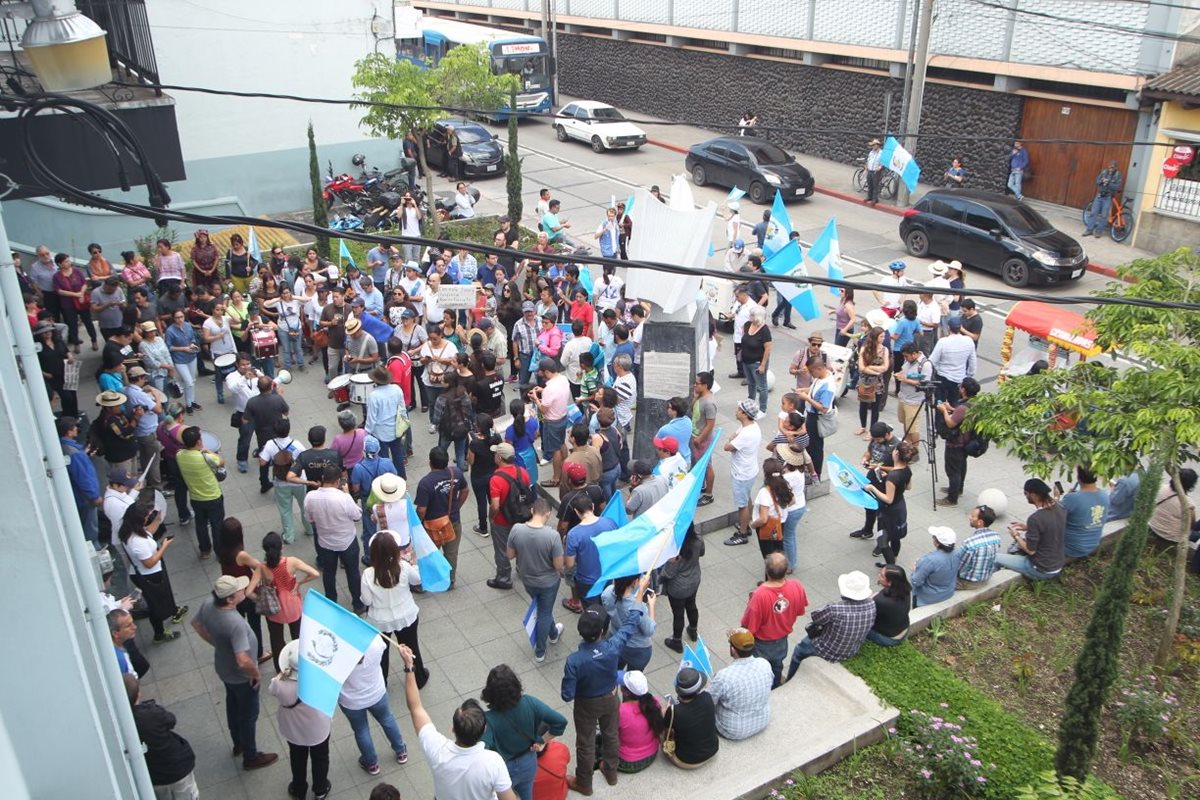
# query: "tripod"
(928, 412)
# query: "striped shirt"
(977, 556)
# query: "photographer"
(915, 375)
(950, 428)
(410, 217)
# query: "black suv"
(753, 165)
(994, 233)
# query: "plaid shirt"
(742, 693)
(847, 623)
(525, 334)
(977, 556)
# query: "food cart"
(1052, 329)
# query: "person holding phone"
(148, 570)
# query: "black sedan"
(994, 233)
(482, 155)
(754, 165)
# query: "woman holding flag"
(305, 728)
(619, 600)
(387, 592)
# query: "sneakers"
(705, 499)
(167, 637)
(691, 633)
(370, 769)
(185, 520)
(556, 634)
(243, 466)
(481, 530)
(539, 658)
(737, 538)
(180, 613)
(402, 756)
(433, 429)
(325, 794)
(860, 534)
(260, 761)
(674, 644)
(494, 583)
(543, 462)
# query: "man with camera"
(950, 428)
(915, 377)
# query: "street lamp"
(67, 50)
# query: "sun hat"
(227, 585)
(854, 585)
(938, 268)
(733, 205)
(878, 318)
(790, 456)
(389, 488)
(353, 326)
(147, 327)
(289, 657)
(110, 399)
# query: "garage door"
(1065, 173)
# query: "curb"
(1099, 269)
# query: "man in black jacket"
(169, 757)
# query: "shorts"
(698, 449)
(741, 492)
(554, 436)
(907, 413)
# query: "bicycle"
(1120, 218)
(889, 186)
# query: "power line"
(1087, 23)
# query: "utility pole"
(553, 18)
(908, 72)
(921, 62)
(546, 20)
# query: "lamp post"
(67, 50)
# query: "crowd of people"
(531, 388)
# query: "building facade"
(1170, 214)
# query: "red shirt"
(772, 611)
(498, 488)
(583, 311)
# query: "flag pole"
(658, 555)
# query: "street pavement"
(469, 630)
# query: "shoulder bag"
(441, 529)
(668, 742)
(266, 601)
(219, 472)
(772, 529)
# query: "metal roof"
(1183, 81)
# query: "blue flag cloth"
(252, 245)
(779, 227)
(530, 621)
(735, 194)
(332, 642)
(901, 162)
(828, 253)
(344, 254)
(849, 482)
(433, 566)
(615, 510)
(711, 250)
(586, 281)
(629, 206)
(697, 658)
(655, 536)
(790, 261)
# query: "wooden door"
(1065, 174)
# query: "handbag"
(320, 338)
(403, 423)
(668, 742)
(219, 472)
(866, 392)
(266, 603)
(235, 420)
(772, 529)
(827, 423)
(441, 529)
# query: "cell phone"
(1058, 487)
(153, 515)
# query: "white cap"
(943, 535)
(634, 682)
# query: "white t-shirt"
(269, 450)
(891, 299)
(608, 294)
(224, 342)
(289, 316)
(433, 369)
(929, 313)
(795, 479)
(364, 685)
(577, 346)
(763, 498)
(433, 311)
(464, 204)
(138, 549)
(744, 462)
(626, 388)
(463, 773)
(116, 504)
(741, 315)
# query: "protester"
(387, 587)
(1039, 541)
(818, 401)
(641, 723)
(304, 728)
(618, 602)
(579, 551)
(838, 630)
(1086, 508)
(538, 551)
(170, 759)
(1165, 522)
(280, 571)
(365, 692)
(772, 611)
(771, 507)
(148, 570)
(741, 691)
(334, 516)
(519, 726)
(236, 562)
(679, 579)
(198, 467)
(704, 418)
(893, 509)
(439, 501)
(977, 554)
(954, 458)
(743, 466)
(934, 576)
(647, 488)
(691, 739)
(891, 607)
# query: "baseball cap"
(370, 444)
(943, 535)
(739, 244)
(634, 681)
(148, 326)
(504, 450)
(741, 639)
(575, 471)
(954, 324)
(528, 306)
(407, 313)
(881, 429)
(121, 475)
(227, 585)
(485, 324)
(413, 266)
(667, 443)
(135, 372)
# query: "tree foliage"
(512, 164)
(320, 211)
(464, 81)
(1116, 418)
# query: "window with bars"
(1181, 194)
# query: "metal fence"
(130, 47)
(1179, 196)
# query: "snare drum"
(210, 441)
(361, 387)
(266, 345)
(339, 389)
(225, 364)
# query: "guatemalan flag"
(252, 245)
(434, 568)
(779, 227)
(344, 254)
(655, 536)
(849, 482)
(828, 254)
(790, 261)
(696, 658)
(332, 642)
(901, 162)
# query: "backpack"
(281, 462)
(453, 423)
(976, 445)
(518, 501)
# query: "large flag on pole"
(790, 261)
(849, 482)
(655, 536)
(615, 510)
(779, 227)
(433, 566)
(828, 254)
(901, 162)
(344, 254)
(332, 642)
(252, 245)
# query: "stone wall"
(825, 112)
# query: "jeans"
(208, 514)
(523, 372)
(241, 713)
(789, 534)
(243, 443)
(396, 451)
(588, 713)
(459, 447)
(783, 308)
(292, 350)
(608, 481)
(521, 771)
(954, 461)
(185, 373)
(947, 391)
(774, 651)
(299, 755)
(545, 614)
(634, 658)
(884, 641)
(327, 562)
(362, 733)
(284, 495)
(756, 383)
(432, 393)
(874, 179)
(681, 606)
(89, 518)
(1022, 564)
(804, 649)
(500, 552)
(1014, 182)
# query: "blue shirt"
(1120, 502)
(111, 382)
(620, 610)
(383, 406)
(487, 273)
(147, 423)
(591, 671)
(466, 267)
(903, 331)
(760, 234)
(934, 578)
(581, 547)
(1085, 521)
(1019, 159)
(180, 337)
(679, 429)
(85, 484)
(378, 271)
(372, 302)
(626, 347)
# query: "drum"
(361, 387)
(266, 345)
(339, 389)
(225, 364)
(210, 441)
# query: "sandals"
(549, 484)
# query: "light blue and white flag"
(332, 641)
(629, 206)
(901, 162)
(849, 482)
(615, 510)
(779, 227)
(434, 568)
(790, 261)
(828, 254)
(586, 281)
(712, 251)
(530, 621)
(344, 254)
(735, 194)
(648, 541)
(697, 658)
(252, 245)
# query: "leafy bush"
(944, 758)
(1144, 707)
(907, 679)
(1049, 787)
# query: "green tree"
(512, 164)
(320, 210)
(397, 98)
(1114, 420)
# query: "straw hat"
(389, 488)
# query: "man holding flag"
(874, 171)
(538, 551)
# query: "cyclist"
(1108, 183)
